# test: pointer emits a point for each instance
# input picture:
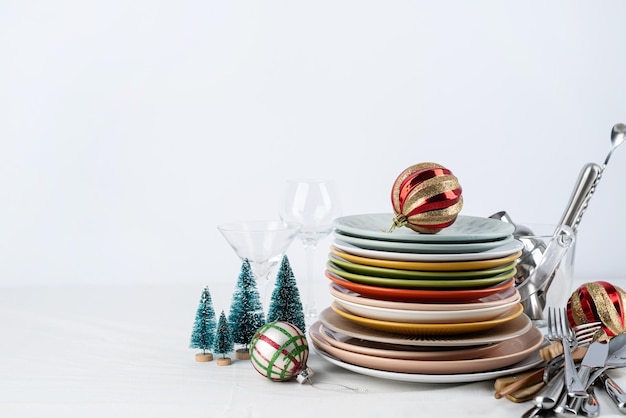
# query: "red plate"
(419, 295)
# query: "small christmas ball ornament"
(598, 302)
(426, 197)
(279, 351)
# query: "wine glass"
(314, 204)
(263, 243)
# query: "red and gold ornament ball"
(598, 301)
(426, 197)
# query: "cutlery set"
(562, 387)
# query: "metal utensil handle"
(583, 189)
(568, 406)
(587, 198)
(549, 395)
(590, 407)
(579, 390)
(616, 393)
(561, 241)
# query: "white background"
(130, 129)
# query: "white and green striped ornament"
(279, 351)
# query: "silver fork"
(570, 406)
(558, 329)
(584, 335)
(553, 373)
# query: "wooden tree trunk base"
(223, 361)
(242, 354)
(204, 357)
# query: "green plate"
(434, 283)
(417, 274)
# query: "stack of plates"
(431, 308)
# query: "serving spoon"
(618, 133)
(591, 173)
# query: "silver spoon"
(618, 134)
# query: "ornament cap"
(305, 376)
(398, 221)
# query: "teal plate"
(434, 283)
(422, 247)
(416, 274)
(464, 230)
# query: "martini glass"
(263, 243)
(314, 204)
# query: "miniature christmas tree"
(285, 304)
(223, 341)
(246, 312)
(203, 332)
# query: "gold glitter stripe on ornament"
(437, 216)
(605, 309)
(428, 189)
(395, 192)
(578, 313)
(433, 186)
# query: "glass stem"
(310, 309)
(262, 275)
(265, 297)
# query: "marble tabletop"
(122, 351)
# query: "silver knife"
(616, 357)
(596, 355)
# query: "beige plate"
(335, 322)
(407, 352)
(509, 352)
(504, 297)
(426, 317)
(410, 328)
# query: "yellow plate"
(424, 330)
(426, 265)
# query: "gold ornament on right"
(426, 197)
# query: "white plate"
(528, 363)
(421, 247)
(512, 329)
(506, 248)
(464, 229)
(425, 317)
(506, 296)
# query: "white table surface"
(71, 351)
